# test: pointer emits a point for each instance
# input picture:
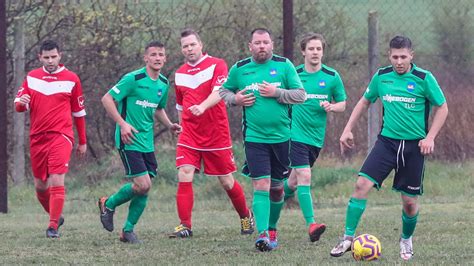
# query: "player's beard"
(261, 56)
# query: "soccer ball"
(366, 247)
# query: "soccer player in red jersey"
(52, 93)
(205, 139)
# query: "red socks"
(56, 204)
(185, 202)
(237, 196)
(43, 198)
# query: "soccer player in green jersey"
(407, 93)
(140, 94)
(265, 85)
(325, 94)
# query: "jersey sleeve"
(164, 97)
(371, 93)
(338, 93)
(232, 83)
(179, 97)
(123, 88)
(220, 75)
(77, 100)
(292, 79)
(433, 91)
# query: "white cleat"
(406, 248)
(342, 247)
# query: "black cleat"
(247, 224)
(181, 231)
(130, 237)
(106, 215)
(52, 233)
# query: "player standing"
(52, 93)
(140, 94)
(265, 84)
(325, 94)
(205, 138)
(407, 93)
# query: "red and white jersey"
(194, 83)
(53, 98)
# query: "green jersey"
(406, 100)
(308, 124)
(267, 120)
(138, 97)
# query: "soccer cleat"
(181, 231)
(247, 224)
(406, 248)
(263, 242)
(106, 215)
(315, 231)
(130, 237)
(342, 247)
(273, 236)
(52, 233)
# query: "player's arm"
(163, 118)
(80, 123)
(439, 117)
(240, 98)
(126, 130)
(283, 96)
(347, 138)
(333, 107)
(209, 102)
(22, 103)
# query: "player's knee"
(227, 182)
(142, 188)
(362, 187)
(185, 174)
(276, 191)
(303, 176)
(410, 207)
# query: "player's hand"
(346, 141)
(197, 110)
(176, 128)
(81, 150)
(243, 99)
(127, 133)
(25, 99)
(426, 146)
(327, 106)
(266, 89)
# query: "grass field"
(443, 233)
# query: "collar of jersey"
(60, 68)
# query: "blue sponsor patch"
(273, 72)
(411, 86)
(322, 84)
(160, 92)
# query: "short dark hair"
(260, 31)
(154, 44)
(312, 36)
(400, 42)
(48, 45)
(188, 32)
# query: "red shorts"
(216, 163)
(50, 154)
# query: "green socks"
(135, 210)
(306, 203)
(261, 209)
(124, 194)
(355, 209)
(275, 210)
(289, 193)
(408, 225)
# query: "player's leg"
(409, 181)
(56, 203)
(188, 161)
(378, 164)
(257, 167)
(279, 172)
(39, 165)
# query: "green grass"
(442, 237)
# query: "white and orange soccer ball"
(366, 247)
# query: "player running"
(407, 93)
(140, 94)
(264, 84)
(205, 139)
(52, 93)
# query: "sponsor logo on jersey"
(143, 87)
(389, 98)
(248, 73)
(50, 77)
(411, 86)
(80, 101)
(194, 69)
(160, 92)
(387, 81)
(317, 96)
(146, 104)
(322, 84)
(221, 79)
(273, 72)
(254, 86)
